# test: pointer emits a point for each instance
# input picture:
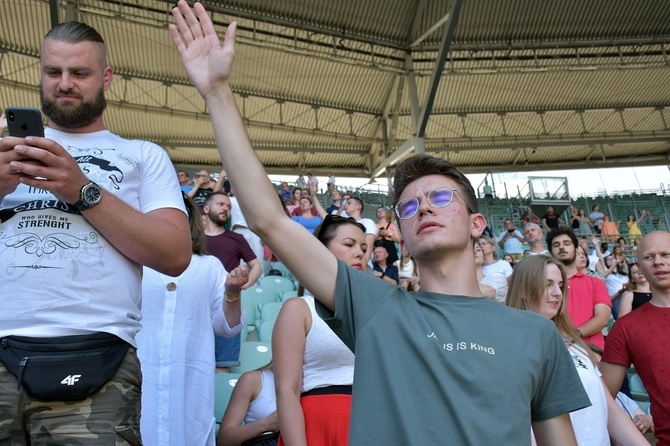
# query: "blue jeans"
(227, 350)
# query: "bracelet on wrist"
(234, 299)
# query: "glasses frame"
(418, 203)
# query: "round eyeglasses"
(437, 198)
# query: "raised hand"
(207, 62)
(236, 279)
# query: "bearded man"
(81, 211)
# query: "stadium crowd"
(408, 330)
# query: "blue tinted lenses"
(437, 198)
(407, 208)
(440, 197)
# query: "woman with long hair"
(539, 285)
(634, 231)
(582, 263)
(638, 294)
(180, 316)
(294, 201)
(584, 224)
(313, 368)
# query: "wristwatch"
(89, 196)
(579, 332)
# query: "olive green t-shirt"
(434, 369)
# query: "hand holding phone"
(24, 121)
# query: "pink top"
(584, 292)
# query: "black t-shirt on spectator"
(552, 220)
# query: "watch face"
(92, 194)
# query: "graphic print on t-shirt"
(458, 346)
(38, 231)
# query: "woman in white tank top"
(252, 410)
(313, 368)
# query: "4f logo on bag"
(70, 379)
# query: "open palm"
(208, 63)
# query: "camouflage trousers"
(109, 417)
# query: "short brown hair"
(419, 166)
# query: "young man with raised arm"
(432, 366)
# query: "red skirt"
(326, 419)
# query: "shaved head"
(653, 255)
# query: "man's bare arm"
(600, 319)
(555, 431)
(219, 183)
(613, 375)
(159, 239)
(255, 271)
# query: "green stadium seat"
(253, 355)
(224, 384)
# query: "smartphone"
(24, 121)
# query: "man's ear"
(205, 209)
(477, 225)
(107, 78)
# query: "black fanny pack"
(65, 368)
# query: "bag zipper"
(7, 343)
(48, 358)
(22, 365)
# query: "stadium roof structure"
(354, 86)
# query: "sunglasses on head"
(437, 198)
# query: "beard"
(73, 117)
(217, 219)
(567, 261)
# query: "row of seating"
(261, 304)
(224, 385)
(253, 355)
(638, 392)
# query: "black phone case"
(24, 121)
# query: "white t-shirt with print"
(58, 275)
